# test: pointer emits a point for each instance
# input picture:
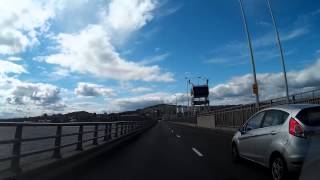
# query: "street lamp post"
(251, 52)
(280, 49)
(188, 82)
(176, 104)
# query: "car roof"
(294, 108)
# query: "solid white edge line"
(197, 152)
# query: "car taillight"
(295, 128)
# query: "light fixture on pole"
(280, 49)
(255, 85)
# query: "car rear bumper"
(295, 163)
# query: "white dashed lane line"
(197, 152)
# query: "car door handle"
(273, 133)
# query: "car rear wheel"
(235, 154)
(278, 168)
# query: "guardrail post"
(106, 132)
(109, 131)
(80, 135)
(57, 143)
(16, 151)
(126, 128)
(313, 95)
(116, 130)
(119, 129)
(232, 117)
(95, 134)
(123, 128)
(293, 99)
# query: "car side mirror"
(242, 130)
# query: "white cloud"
(7, 67)
(88, 106)
(288, 35)
(132, 103)
(217, 60)
(126, 16)
(141, 89)
(271, 85)
(21, 22)
(295, 33)
(92, 90)
(14, 58)
(60, 72)
(90, 51)
(34, 93)
(166, 11)
(18, 98)
(142, 101)
(235, 53)
(316, 12)
(154, 59)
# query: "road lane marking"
(178, 136)
(197, 152)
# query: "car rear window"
(310, 116)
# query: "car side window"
(274, 118)
(255, 122)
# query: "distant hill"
(82, 116)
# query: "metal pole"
(176, 101)
(188, 93)
(177, 104)
(188, 81)
(57, 143)
(280, 49)
(251, 50)
(16, 149)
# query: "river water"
(7, 133)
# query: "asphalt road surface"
(170, 151)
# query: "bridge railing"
(110, 131)
(235, 116)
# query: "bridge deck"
(161, 154)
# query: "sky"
(59, 56)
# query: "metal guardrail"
(235, 116)
(111, 131)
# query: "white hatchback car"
(280, 138)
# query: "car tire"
(278, 168)
(235, 154)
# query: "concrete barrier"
(206, 121)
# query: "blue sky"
(59, 56)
